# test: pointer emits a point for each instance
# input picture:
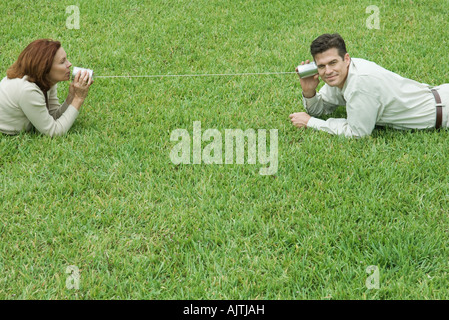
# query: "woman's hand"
(81, 84)
(79, 88)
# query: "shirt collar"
(351, 70)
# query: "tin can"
(307, 70)
(78, 69)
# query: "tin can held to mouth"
(307, 70)
(78, 69)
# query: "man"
(372, 95)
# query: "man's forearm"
(313, 105)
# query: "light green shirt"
(22, 107)
(372, 96)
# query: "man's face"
(332, 68)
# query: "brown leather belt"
(439, 109)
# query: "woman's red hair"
(35, 62)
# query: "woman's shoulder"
(20, 85)
(22, 91)
(20, 82)
(23, 84)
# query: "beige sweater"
(22, 107)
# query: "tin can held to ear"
(307, 70)
(77, 69)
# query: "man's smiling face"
(332, 68)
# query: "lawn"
(107, 199)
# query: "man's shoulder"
(364, 73)
(361, 61)
(366, 67)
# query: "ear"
(347, 58)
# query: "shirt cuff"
(309, 101)
(73, 110)
(315, 123)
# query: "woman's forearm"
(69, 99)
(77, 102)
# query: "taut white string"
(197, 75)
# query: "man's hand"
(309, 84)
(300, 119)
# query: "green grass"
(107, 199)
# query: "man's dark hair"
(328, 41)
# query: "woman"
(28, 94)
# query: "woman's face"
(60, 70)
